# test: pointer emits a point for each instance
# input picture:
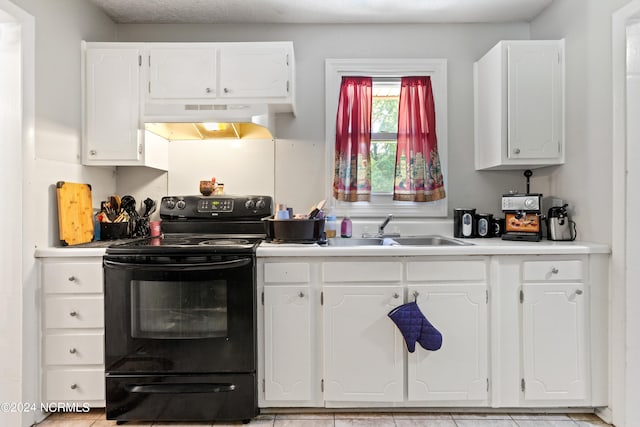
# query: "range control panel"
(216, 207)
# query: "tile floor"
(95, 418)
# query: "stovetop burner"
(225, 242)
(193, 243)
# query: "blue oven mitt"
(430, 338)
(415, 327)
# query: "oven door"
(187, 314)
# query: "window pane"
(383, 159)
(384, 128)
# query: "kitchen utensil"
(75, 213)
(294, 230)
(316, 209)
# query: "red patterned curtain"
(352, 177)
(418, 171)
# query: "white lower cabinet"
(363, 353)
(287, 347)
(73, 330)
(555, 359)
(458, 371)
(517, 331)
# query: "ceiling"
(320, 11)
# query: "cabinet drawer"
(79, 385)
(287, 272)
(362, 272)
(436, 271)
(552, 270)
(72, 277)
(74, 349)
(74, 312)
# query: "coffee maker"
(559, 226)
(522, 215)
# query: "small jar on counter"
(345, 227)
(331, 226)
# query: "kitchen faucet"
(381, 227)
(384, 224)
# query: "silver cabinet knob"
(578, 291)
(73, 386)
(72, 350)
(73, 313)
(554, 270)
(301, 294)
(93, 152)
(208, 90)
(517, 151)
(396, 296)
(226, 90)
(72, 278)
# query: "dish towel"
(415, 327)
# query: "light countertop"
(492, 246)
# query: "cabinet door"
(363, 349)
(534, 101)
(182, 73)
(112, 111)
(458, 370)
(255, 71)
(288, 358)
(554, 338)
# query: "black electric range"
(180, 314)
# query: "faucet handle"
(384, 223)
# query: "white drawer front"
(437, 271)
(72, 277)
(78, 385)
(362, 271)
(287, 272)
(74, 312)
(74, 349)
(552, 270)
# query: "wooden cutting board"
(75, 213)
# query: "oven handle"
(179, 266)
(165, 388)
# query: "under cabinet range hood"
(209, 121)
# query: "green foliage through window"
(384, 128)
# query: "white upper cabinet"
(256, 70)
(111, 105)
(215, 75)
(519, 105)
(113, 134)
(182, 73)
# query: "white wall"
(51, 152)
(11, 245)
(588, 175)
(300, 167)
(585, 180)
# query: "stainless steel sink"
(355, 242)
(398, 241)
(429, 241)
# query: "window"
(386, 75)
(384, 134)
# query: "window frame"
(380, 206)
